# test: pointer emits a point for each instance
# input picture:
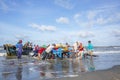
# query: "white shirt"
(49, 49)
(75, 46)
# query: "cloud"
(84, 34)
(108, 7)
(21, 36)
(97, 18)
(91, 15)
(116, 33)
(100, 16)
(64, 3)
(76, 16)
(9, 5)
(43, 27)
(62, 20)
(3, 5)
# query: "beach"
(105, 66)
(59, 39)
(109, 74)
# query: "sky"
(60, 21)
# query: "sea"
(29, 68)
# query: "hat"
(20, 41)
(44, 46)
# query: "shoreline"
(108, 74)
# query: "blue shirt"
(19, 46)
(90, 46)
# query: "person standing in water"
(19, 49)
(81, 51)
(90, 48)
(75, 48)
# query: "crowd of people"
(53, 51)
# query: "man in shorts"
(90, 48)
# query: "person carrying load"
(45, 54)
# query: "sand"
(110, 74)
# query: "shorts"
(90, 52)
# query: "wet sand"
(110, 74)
(28, 68)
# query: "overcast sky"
(60, 21)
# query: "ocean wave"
(116, 47)
(103, 52)
(1, 48)
(3, 54)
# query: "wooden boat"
(11, 50)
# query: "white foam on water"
(7, 73)
(67, 76)
(44, 62)
(116, 47)
(104, 52)
(32, 69)
(70, 75)
(31, 53)
(3, 54)
(55, 72)
(1, 48)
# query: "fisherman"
(19, 49)
(75, 48)
(81, 50)
(41, 50)
(35, 50)
(90, 48)
(47, 51)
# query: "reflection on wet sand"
(90, 64)
(67, 67)
(81, 67)
(55, 68)
(19, 73)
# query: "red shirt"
(81, 48)
(41, 50)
